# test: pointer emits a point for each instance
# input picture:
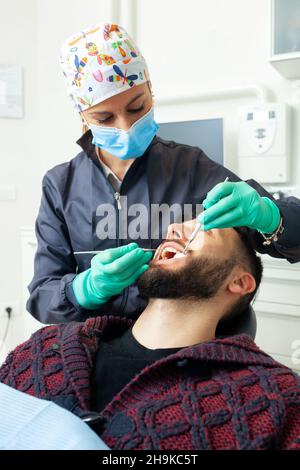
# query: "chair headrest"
(244, 323)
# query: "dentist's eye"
(136, 110)
(101, 121)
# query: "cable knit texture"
(220, 394)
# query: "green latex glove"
(232, 204)
(110, 272)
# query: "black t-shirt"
(117, 362)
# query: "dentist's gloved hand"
(110, 272)
(231, 204)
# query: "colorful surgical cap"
(101, 62)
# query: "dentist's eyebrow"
(98, 113)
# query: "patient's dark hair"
(247, 258)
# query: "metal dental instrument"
(101, 251)
(196, 231)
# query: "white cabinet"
(277, 309)
(285, 37)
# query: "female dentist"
(108, 82)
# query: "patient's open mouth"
(169, 250)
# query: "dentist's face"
(121, 110)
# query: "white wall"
(191, 47)
(19, 154)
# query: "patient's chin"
(197, 278)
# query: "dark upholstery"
(244, 323)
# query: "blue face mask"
(126, 144)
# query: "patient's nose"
(175, 231)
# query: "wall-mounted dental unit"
(264, 142)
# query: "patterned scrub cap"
(101, 62)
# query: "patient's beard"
(200, 278)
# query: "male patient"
(165, 381)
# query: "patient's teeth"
(170, 249)
(179, 255)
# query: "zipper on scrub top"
(117, 196)
(125, 291)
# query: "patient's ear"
(242, 283)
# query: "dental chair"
(244, 323)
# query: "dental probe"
(196, 231)
(101, 251)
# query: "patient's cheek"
(197, 246)
(200, 243)
(208, 246)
